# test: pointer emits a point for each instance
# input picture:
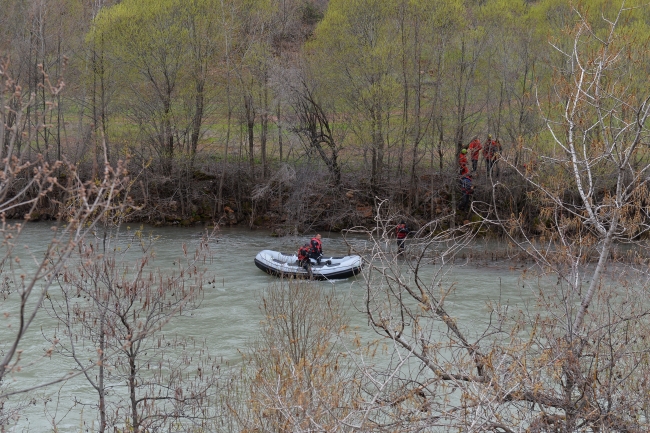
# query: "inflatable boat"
(330, 268)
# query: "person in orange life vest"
(316, 251)
(402, 232)
(467, 189)
(497, 154)
(303, 256)
(491, 149)
(474, 149)
(462, 162)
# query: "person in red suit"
(402, 232)
(475, 148)
(491, 151)
(462, 162)
(316, 251)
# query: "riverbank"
(304, 200)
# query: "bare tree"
(573, 360)
(599, 157)
(297, 375)
(433, 354)
(26, 186)
(315, 128)
(112, 309)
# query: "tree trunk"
(250, 123)
(265, 129)
(279, 132)
(168, 138)
(132, 397)
(197, 119)
(414, 201)
(100, 383)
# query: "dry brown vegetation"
(349, 130)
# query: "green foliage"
(160, 53)
(310, 14)
(136, 31)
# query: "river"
(229, 315)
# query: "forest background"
(291, 114)
(343, 114)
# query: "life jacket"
(303, 252)
(316, 246)
(475, 148)
(462, 159)
(402, 231)
(488, 151)
(491, 149)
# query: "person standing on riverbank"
(491, 150)
(467, 189)
(462, 162)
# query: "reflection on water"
(229, 315)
